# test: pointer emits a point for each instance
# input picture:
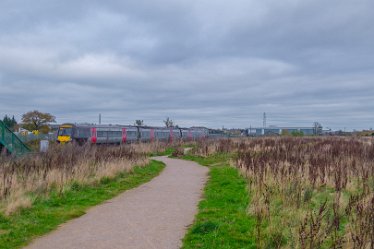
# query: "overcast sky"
(206, 62)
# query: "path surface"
(154, 215)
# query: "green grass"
(222, 221)
(47, 213)
(168, 151)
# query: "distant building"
(277, 131)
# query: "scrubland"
(26, 178)
(280, 192)
(305, 192)
(38, 192)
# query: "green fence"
(11, 142)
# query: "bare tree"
(168, 122)
(139, 122)
(317, 128)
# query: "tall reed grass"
(22, 179)
(306, 192)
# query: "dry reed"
(63, 165)
(306, 192)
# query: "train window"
(87, 132)
(114, 134)
(132, 133)
(146, 134)
(101, 134)
(162, 134)
(82, 132)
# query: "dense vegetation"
(35, 175)
(40, 191)
(305, 192)
(285, 192)
(311, 193)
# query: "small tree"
(297, 133)
(317, 128)
(285, 132)
(168, 122)
(139, 122)
(10, 122)
(35, 120)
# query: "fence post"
(44, 144)
(2, 131)
(14, 148)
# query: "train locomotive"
(118, 134)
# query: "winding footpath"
(154, 215)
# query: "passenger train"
(118, 134)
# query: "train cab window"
(65, 131)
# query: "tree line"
(32, 121)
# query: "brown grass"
(63, 165)
(306, 192)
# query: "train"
(119, 134)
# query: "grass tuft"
(204, 228)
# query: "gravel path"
(154, 215)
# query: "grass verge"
(222, 221)
(47, 213)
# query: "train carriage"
(107, 135)
(131, 134)
(162, 134)
(96, 134)
(175, 134)
(198, 134)
(186, 134)
(146, 134)
(118, 134)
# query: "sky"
(207, 63)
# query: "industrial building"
(273, 130)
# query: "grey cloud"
(210, 63)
